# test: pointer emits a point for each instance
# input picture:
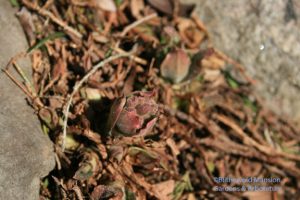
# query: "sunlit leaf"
(90, 93)
(211, 166)
(71, 143)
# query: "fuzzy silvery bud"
(175, 66)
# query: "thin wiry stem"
(136, 23)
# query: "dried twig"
(79, 84)
(182, 116)
(28, 83)
(251, 142)
(17, 83)
(135, 58)
(78, 192)
(136, 23)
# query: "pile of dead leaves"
(210, 123)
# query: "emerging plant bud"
(175, 66)
(133, 115)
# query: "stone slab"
(263, 36)
(26, 154)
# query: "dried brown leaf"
(165, 189)
(103, 192)
(26, 21)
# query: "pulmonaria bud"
(134, 114)
(175, 66)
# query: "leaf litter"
(88, 55)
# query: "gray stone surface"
(263, 36)
(26, 154)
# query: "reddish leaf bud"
(133, 115)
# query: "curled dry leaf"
(211, 74)
(212, 61)
(104, 192)
(166, 188)
(194, 37)
(146, 33)
(49, 117)
(89, 166)
(145, 157)
(117, 152)
(175, 66)
(190, 32)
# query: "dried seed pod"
(175, 66)
(133, 115)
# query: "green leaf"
(211, 167)
(108, 53)
(181, 104)
(163, 40)
(45, 129)
(183, 185)
(250, 104)
(43, 41)
(200, 78)
(14, 3)
(231, 81)
(129, 195)
(118, 2)
(45, 183)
